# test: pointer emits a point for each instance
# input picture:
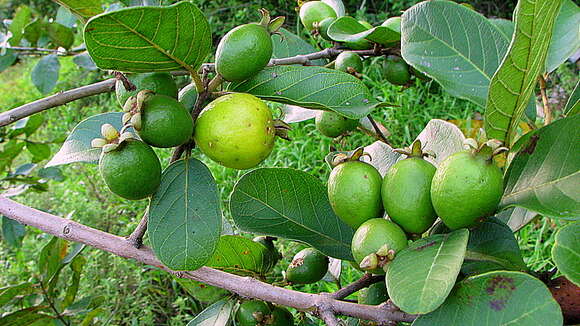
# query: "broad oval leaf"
(573, 103)
(516, 217)
(337, 5)
(60, 35)
(566, 252)
(454, 45)
(184, 216)
(545, 174)
(506, 27)
(77, 146)
(202, 292)
(442, 139)
(218, 314)
(290, 204)
(21, 18)
(513, 83)
(311, 87)
(140, 39)
(565, 42)
(492, 246)
(84, 9)
(381, 156)
(289, 44)
(12, 232)
(7, 59)
(238, 255)
(497, 298)
(348, 29)
(45, 74)
(422, 275)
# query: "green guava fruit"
(132, 170)
(406, 194)
(374, 295)
(308, 266)
(252, 313)
(161, 83)
(165, 122)
(188, 96)
(243, 52)
(393, 23)
(332, 124)
(396, 70)
(466, 187)
(375, 234)
(323, 27)
(313, 12)
(348, 59)
(236, 131)
(354, 192)
(280, 316)
(273, 255)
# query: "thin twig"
(366, 280)
(244, 286)
(378, 130)
(51, 304)
(545, 103)
(136, 237)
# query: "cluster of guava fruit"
(465, 188)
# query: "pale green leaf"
(22, 17)
(514, 82)
(566, 35)
(84, 9)
(348, 29)
(566, 252)
(218, 314)
(573, 104)
(516, 217)
(45, 74)
(238, 255)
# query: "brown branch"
(244, 286)
(545, 103)
(136, 237)
(329, 318)
(378, 130)
(366, 280)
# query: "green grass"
(139, 295)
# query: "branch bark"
(244, 286)
(365, 281)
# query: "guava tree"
(432, 225)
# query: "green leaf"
(25, 317)
(84, 305)
(565, 42)
(218, 314)
(506, 27)
(456, 46)
(50, 259)
(516, 217)
(34, 30)
(21, 18)
(39, 151)
(139, 39)
(33, 123)
(10, 292)
(60, 35)
(45, 73)
(10, 151)
(492, 246)
(497, 298)
(84, 61)
(202, 292)
(441, 138)
(76, 265)
(77, 146)
(311, 87)
(337, 5)
(65, 17)
(566, 252)
(573, 104)
(290, 204)
(513, 83)
(184, 216)
(545, 174)
(12, 232)
(238, 255)
(7, 59)
(348, 29)
(422, 275)
(289, 45)
(84, 9)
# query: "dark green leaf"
(45, 73)
(39, 151)
(50, 259)
(497, 298)
(238, 255)
(289, 45)
(25, 317)
(12, 232)
(218, 314)
(348, 29)
(21, 18)
(84, 305)
(65, 17)
(516, 217)
(7, 59)
(290, 204)
(60, 35)
(33, 123)
(84, 9)
(76, 265)
(423, 274)
(139, 39)
(184, 216)
(77, 146)
(9, 151)
(545, 174)
(566, 252)
(311, 87)
(492, 246)
(34, 30)
(513, 83)
(573, 104)
(506, 27)
(10, 292)
(456, 46)
(51, 173)
(202, 292)
(565, 42)
(84, 61)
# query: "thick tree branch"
(244, 286)
(363, 282)
(329, 318)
